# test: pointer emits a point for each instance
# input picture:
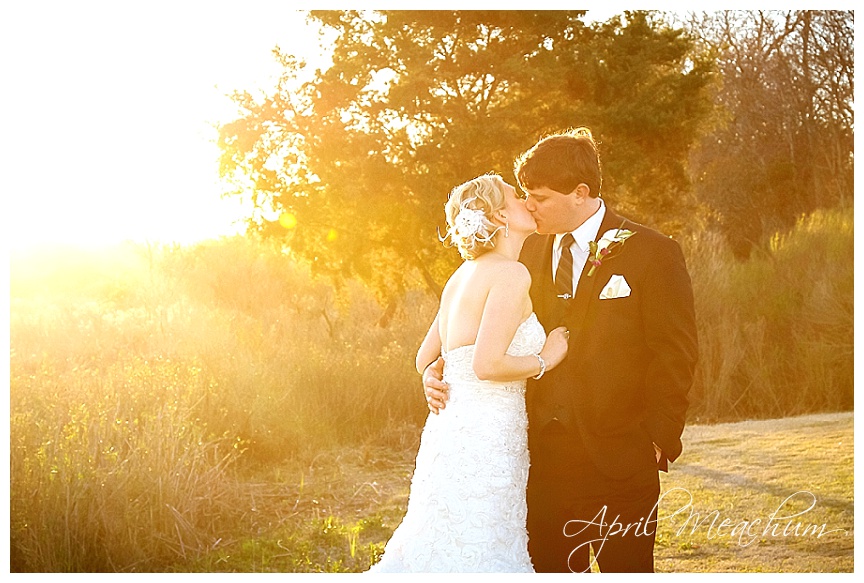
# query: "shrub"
(776, 330)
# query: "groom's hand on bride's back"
(435, 388)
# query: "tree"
(360, 159)
(641, 82)
(784, 144)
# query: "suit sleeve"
(669, 322)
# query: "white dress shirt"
(583, 234)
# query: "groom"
(611, 415)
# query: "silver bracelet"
(542, 367)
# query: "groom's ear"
(582, 191)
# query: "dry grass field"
(793, 475)
(335, 512)
(219, 407)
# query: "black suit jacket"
(631, 360)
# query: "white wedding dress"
(466, 508)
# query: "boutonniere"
(600, 251)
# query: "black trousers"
(572, 505)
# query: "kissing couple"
(599, 402)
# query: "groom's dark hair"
(561, 162)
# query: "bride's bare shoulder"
(497, 271)
(508, 272)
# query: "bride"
(466, 508)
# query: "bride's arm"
(504, 311)
(430, 348)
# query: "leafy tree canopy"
(359, 161)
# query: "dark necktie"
(564, 275)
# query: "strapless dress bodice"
(528, 339)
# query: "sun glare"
(287, 220)
(115, 110)
(114, 132)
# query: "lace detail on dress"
(466, 509)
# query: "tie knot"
(567, 240)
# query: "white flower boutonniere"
(611, 241)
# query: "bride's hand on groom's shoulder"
(556, 347)
(434, 387)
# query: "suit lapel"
(585, 291)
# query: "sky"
(112, 114)
(109, 123)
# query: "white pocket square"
(616, 287)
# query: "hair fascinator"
(469, 229)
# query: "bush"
(776, 330)
(111, 467)
(132, 396)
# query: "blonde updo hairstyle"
(469, 211)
